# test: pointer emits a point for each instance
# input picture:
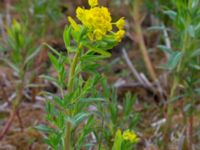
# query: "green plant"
(184, 62)
(115, 116)
(71, 121)
(124, 141)
(39, 16)
(21, 54)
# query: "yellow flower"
(80, 13)
(93, 3)
(73, 23)
(120, 23)
(119, 35)
(97, 20)
(98, 34)
(130, 136)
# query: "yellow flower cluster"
(119, 35)
(99, 21)
(120, 25)
(96, 19)
(130, 136)
(93, 3)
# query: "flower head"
(130, 136)
(93, 3)
(120, 23)
(98, 22)
(119, 35)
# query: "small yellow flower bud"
(16, 26)
(93, 3)
(119, 35)
(130, 136)
(73, 23)
(120, 23)
(80, 12)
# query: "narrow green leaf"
(33, 55)
(173, 61)
(117, 141)
(80, 117)
(91, 100)
(66, 36)
(195, 53)
(12, 65)
(44, 128)
(48, 78)
(54, 61)
(67, 39)
(52, 49)
(191, 31)
(165, 49)
(172, 14)
(97, 50)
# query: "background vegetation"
(150, 83)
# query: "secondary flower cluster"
(98, 20)
(130, 136)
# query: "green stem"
(170, 107)
(19, 87)
(70, 89)
(72, 71)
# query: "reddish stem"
(20, 120)
(190, 131)
(8, 124)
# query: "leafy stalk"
(70, 89)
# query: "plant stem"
(70, 89)
(190, 132)
(170, 111)
(170, 108)
(138, 18)
(15, 106)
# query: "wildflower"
(95, 19)
(80, 13)
(120, 23)
(73, 23)
(119, 35)
(93, 3)
(98, 22)
(130, 136)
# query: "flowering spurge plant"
(71, 114)
(116, 117)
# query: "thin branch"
(3, 33)
(8, 17)
(131, 66)
(138, 18)
(143, 80)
